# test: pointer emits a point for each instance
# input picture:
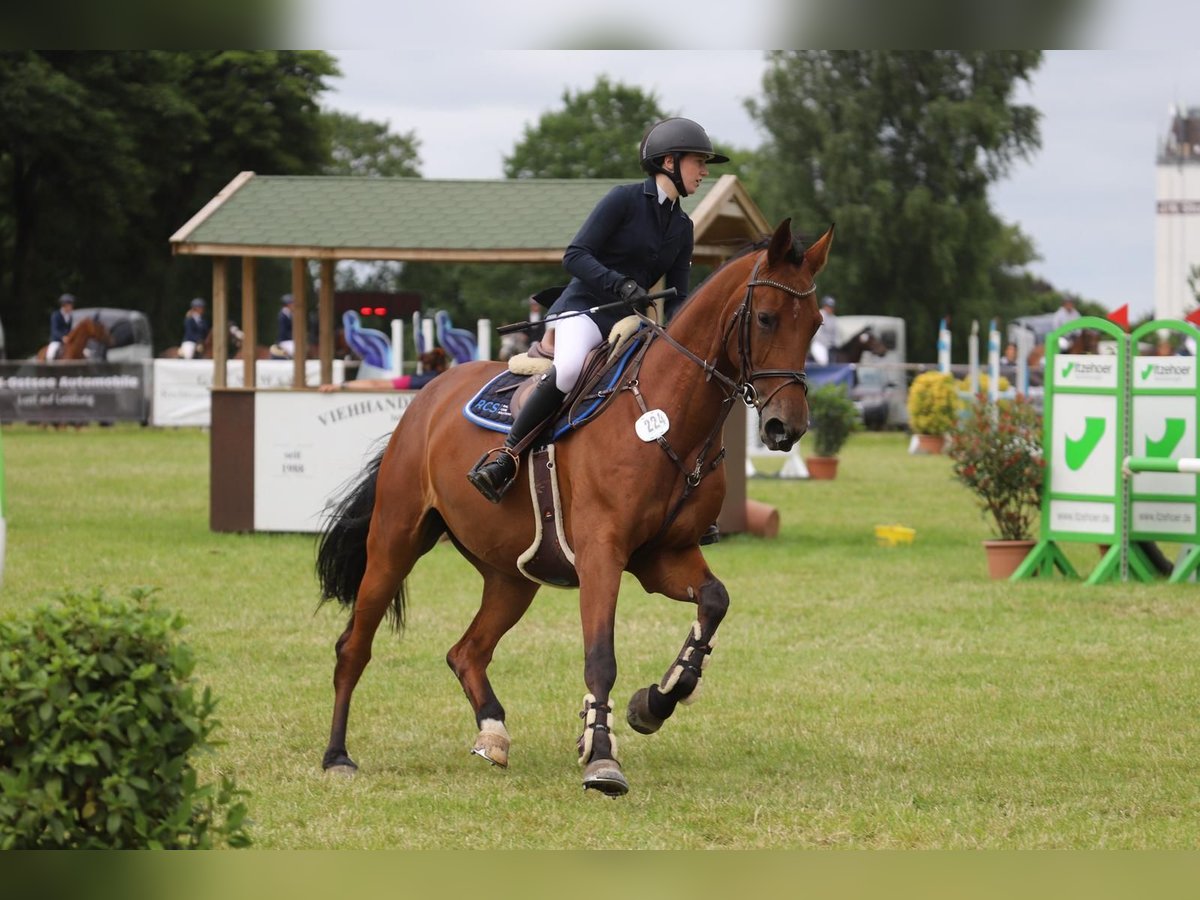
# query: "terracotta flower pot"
(931, 443)
(1004, 557)
(821, 467)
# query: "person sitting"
(284, 341)
(195, 329)
(61, 322)
(433, 363)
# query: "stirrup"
(482, 479)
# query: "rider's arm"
(581, 257)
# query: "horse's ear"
(818, 253)
(780, 247)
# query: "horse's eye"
(765, 319)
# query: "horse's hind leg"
(505, 600)
(683, 576)
(390, 557)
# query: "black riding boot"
(494, 478)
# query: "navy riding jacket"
(624, 237)
(195, 329)
(285, 327)
(60, 325)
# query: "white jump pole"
(1024, 348)
(397, 348)
(973, 357)
(427, 333)
(943, 347)
(993, 361)
(483, 339)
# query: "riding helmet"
(198, 303)
(675, 137)
(65, 299)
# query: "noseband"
(746, 372)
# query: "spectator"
(284, 340)
(195, 329)
(62, 320)
(1064, 314)
(825, 343)
(433, 363)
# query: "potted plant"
(932, 409)
(997, 454)
(832, 418)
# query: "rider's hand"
(634, 294)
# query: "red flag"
(1194, 316)
(1120, 317)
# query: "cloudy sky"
(1087, 198)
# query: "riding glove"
(634, 294)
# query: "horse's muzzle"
(776, 434)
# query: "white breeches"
(187, 350)
(574, 339)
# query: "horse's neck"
(680, 385)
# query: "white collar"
(662, 195)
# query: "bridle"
(745, 384)
(743, 387)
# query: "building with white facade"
(1177, 224)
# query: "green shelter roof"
(516, 220)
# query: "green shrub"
(933, 403)
(98, 716)
(833, 417)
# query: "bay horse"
(629, 505)
(75, 344)
(863, 341)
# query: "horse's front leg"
(683, 575)
(598, 586)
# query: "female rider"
(634, 236)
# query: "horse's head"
(778, 319)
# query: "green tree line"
(105, 154)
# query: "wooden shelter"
(413, 219)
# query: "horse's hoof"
(604, 775)
(638, 713)
(339, 764)
(493, 748)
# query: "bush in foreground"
(98, 719)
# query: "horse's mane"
(795, 255)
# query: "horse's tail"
(342, 545)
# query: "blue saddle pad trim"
(489, 407)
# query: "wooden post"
(249, 322)
(220, 292)
(299, 322)
(325, 313)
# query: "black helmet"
(675, 137)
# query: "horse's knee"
(712, 603)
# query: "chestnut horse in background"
(75, 344)
(628, 504)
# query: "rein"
(742, 388)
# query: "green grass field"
(859, 696)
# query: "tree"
(362, 147)
(898, 149)
(105, 154)
(595, 135)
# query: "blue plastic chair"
(370, 345)
(458, 342)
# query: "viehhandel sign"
(73, 392)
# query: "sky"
(1086, 198)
